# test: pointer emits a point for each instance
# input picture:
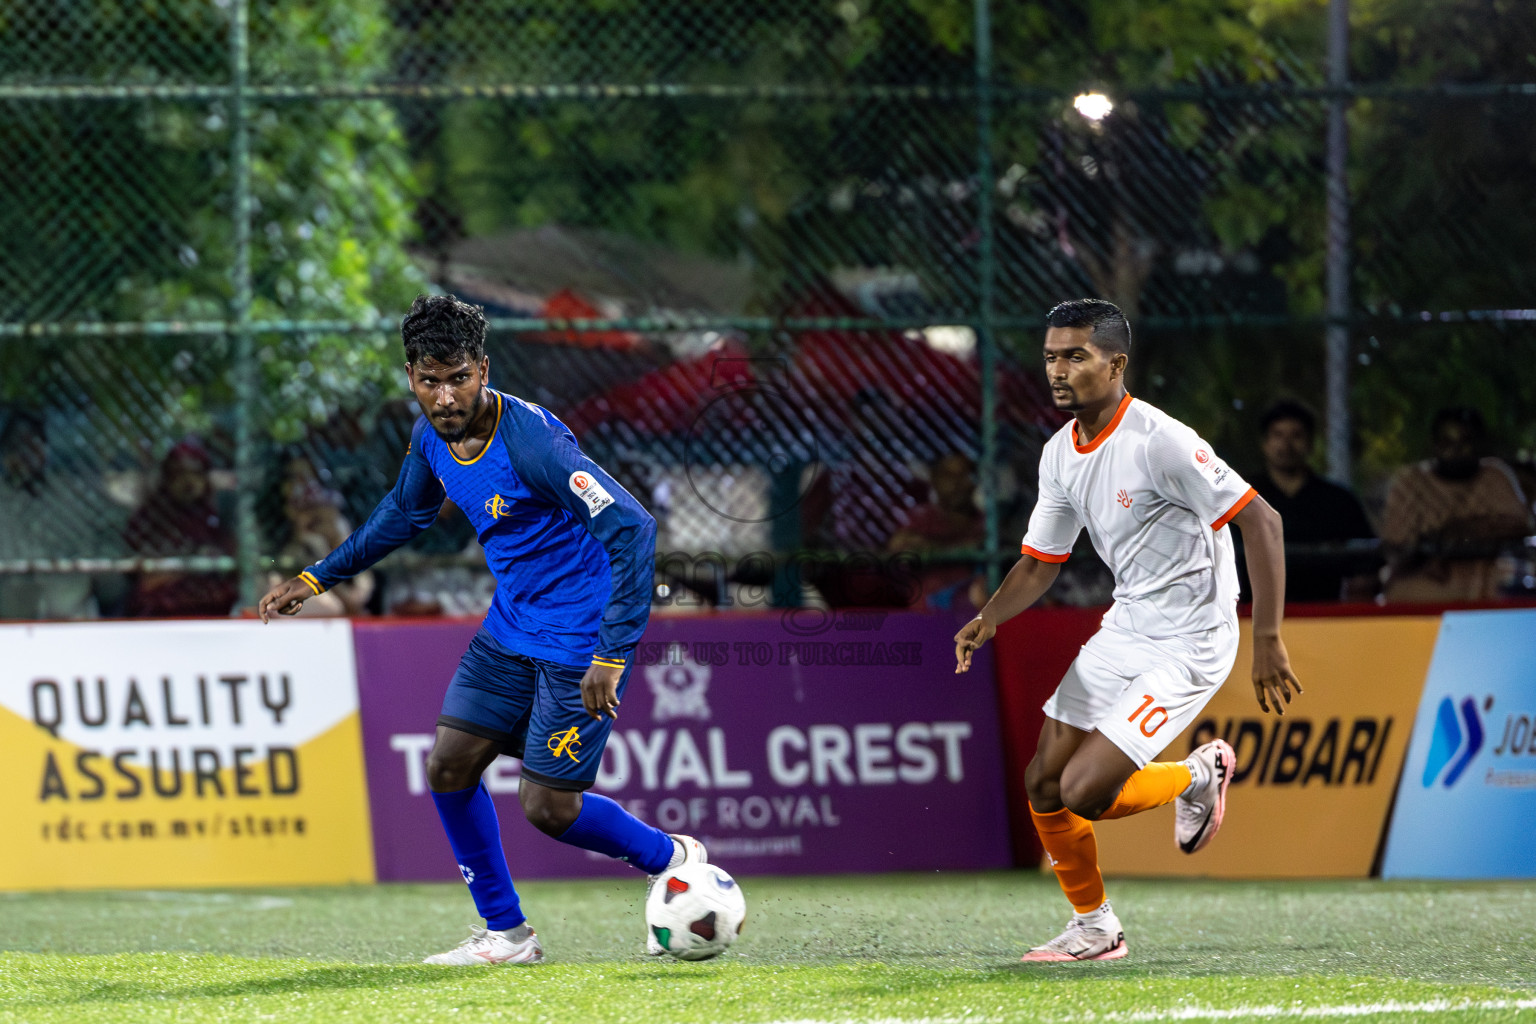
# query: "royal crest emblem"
(679, 689)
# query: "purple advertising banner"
(853, 749)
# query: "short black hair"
(443, 329)
(1289, 409)
(1464, 416)
(1111, 330)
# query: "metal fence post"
(1337, 331)
(986, 258)
(240, 304)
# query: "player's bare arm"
(1264, 540)
(284, 599)
(1025, 584)
(600, 690)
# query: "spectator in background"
(448, 576)
(851, 504)
(1449, 518)
(180, 518)
(948, 523)
(24, 454)
(48, 515)
(1315, 511)
(359, 450)
(316, 526)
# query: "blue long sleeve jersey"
(573, 552)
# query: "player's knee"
(549, 820)
(1043, 786)
(448, 774)
(1085, 797)
(551, 811)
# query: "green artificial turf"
(879, 948)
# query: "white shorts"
(1141, 692)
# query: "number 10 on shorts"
(1152, 719)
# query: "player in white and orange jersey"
(1154, 498)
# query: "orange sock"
(1074, 854)
(1153, 786)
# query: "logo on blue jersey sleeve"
(586, 487)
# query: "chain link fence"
(781, 266)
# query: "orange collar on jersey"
(1084, 449)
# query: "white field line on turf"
(1345, 1010)
(892, 1020)
(1233, 1013)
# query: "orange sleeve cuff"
(1042, 556)
(1237, 507)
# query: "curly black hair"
(443, 329)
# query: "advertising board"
(1311, 791)
(180, 753)
(850, 748)
(1466, 807)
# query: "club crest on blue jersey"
(496, 506)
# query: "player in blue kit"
(573, 555)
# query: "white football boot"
(1095, 936)
(1198, 812)
(485, 947)
(689, 850)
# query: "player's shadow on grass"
(990, 972)
(1062, 971)
(681, 972)
(321, 978)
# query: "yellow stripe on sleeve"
(314, 584)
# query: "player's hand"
(971, 636)
(600, 690)
(1273, 679)
(285, 599)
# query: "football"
(695, 911)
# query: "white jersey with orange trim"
(1154, 498)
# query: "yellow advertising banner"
(1310, 795)
(181, 754)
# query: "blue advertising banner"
(1466, 806)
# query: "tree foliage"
(1176, 206)
(128, 206)
(767, 134)
(1437, 181)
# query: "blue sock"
(469, 818)
(606, 827)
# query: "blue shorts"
(532, 708)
